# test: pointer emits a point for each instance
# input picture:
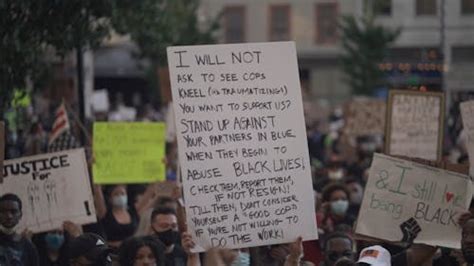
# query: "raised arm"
(99, 202)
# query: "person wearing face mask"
(335, 208)
(117, 219)
(14, 248)
(334, 173)
(52, 245)
(227, 257)
(142, 251)
(164, 225)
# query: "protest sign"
(414, 125)
(2, 148)
(53, 188)
(408, 197)
(242, 144)
(129, 152)
(365, 117)
(467, 112)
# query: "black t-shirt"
(176, 258)
(119, 232)
(17, 253)
(400, 259)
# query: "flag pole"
(81, 125)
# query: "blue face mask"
(54, 241)
(339, 207)
(243, 259)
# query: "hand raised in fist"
(410, 229)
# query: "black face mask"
(168, 238)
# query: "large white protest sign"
(415, 124)
(242, 144)
(404, 197)
(53, 188)
(467, 112)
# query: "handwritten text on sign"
(128, 152)
(365, 117)
(398, 190)
(242, 144)
(415, 127)
(467, 112)
(53, 188)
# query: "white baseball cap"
(375, 256)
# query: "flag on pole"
(65, 141)
(61, 123)
(61, 138)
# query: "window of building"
(234, 24)
(467, 7)
(380, 7)
(279, 23)
(425, 7)
(326, 23)
(462, 54)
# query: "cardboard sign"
(242, 144)
(467, 112)
(405, 196)
(415, 122)
(129, 152)
(365, 117)
(53, 188)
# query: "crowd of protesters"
(138, 227)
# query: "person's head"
(375, 256)
(344, 262)
(88, 249)
(10, 213)
(117, 196)
(54, 240)
(467, 241)
(356, 191)
(141, 251)
(335, 168)
(165, 225)
(337, 246)
(167, 202)
(337, 196)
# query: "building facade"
(431, 29)
(312, 24)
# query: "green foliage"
(156, 24)
(365, 46)
(27, 27)
(20, 46)
(75, 23)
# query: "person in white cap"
(375, 256)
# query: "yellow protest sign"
(129, 152)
